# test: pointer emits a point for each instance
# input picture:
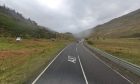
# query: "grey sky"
(72, 15)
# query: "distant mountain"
(13, 24)
(127, 26)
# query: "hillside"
(13, 24)
(119, 37)
(127, 26)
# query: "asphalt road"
(77, 65)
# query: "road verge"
(127, 65)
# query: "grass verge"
(127, 49)
(19, 61)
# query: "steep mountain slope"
(13, 24)
(124, 26)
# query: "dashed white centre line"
(83, 70)
(76, 49)
(82, 67)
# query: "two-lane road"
(77, 65)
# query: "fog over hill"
(124, 26)
(13, 24)
(72, 15)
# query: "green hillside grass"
(8, 24)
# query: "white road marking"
(83, 70)
(47, 67)
(109, 66)
(76, 49)
(72, 59)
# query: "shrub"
(90, 42)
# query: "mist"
(72, 16)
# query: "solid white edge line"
(82, 70)
(47, 67)
(109, 66)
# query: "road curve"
(77, 65)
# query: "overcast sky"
(72, 15)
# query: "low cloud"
(72, 15)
